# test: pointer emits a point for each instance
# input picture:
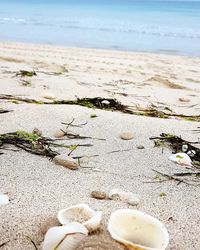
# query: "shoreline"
(157, 52)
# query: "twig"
(29, 238)
(170, 177)
(187, 174)
(4, 243)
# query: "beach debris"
(49, 96)
(24, 73)
(83, 214)
(181, 159)
(177, 177)
(140, 147)
(37, 132)
(29, 142)
(4, 243)
(64, 237)
(25, 82)
(98, 195)
(183, 99)
(146, 232)
(99, 242)
(93, 116)
(3, 111)
(4, 199)
(177, 144)
(126, 136)
(65, 161)
(115, 105)
(32, 242)
(129, 197)
(162, 194)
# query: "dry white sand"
(38, 188)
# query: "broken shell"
(64, 237)
(138, 230)
(98, 195)
(181, 159)
(184, 148)
(83, 214)
(59, 134)
(65, 161)
(183, 99)
(4, 199)
(129, 197)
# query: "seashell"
(126, 136)
(65, 161)
(138, 230)
(183, 99)
(185, 148)
(105, 102)
(83, 214)
(100, 242)
(191, 153)
(140, 147)
(59, 134)
(181, 159)
(4, 199)
(129, 197)
(48, 96)
(98, 195)
(64, 237)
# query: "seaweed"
(176, 143)
(27, 73)
(33, 143)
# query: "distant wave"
(103, 26)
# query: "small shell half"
(83, 214)
(138, 230)
(181, 159)
(129, 197)
(4, 199)
(64, 237)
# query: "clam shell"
(181, 159)
(83, 214)
(129, 197)
(64, 237)
(138, 230)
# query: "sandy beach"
(38, 188)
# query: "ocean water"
(146, 25)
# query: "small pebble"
(120, 195)
(59, 134)
(65, 161)
(140, 147)
(182, 99)
(47, 224)
(126, 136)
(49, 96)
(98, 195)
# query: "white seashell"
(64, 237)
(184, 148)
(4, 199)
(105, 102)
(191, 153)
(129, 197)
(138, 230)
(83, 214)
(181, 159)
